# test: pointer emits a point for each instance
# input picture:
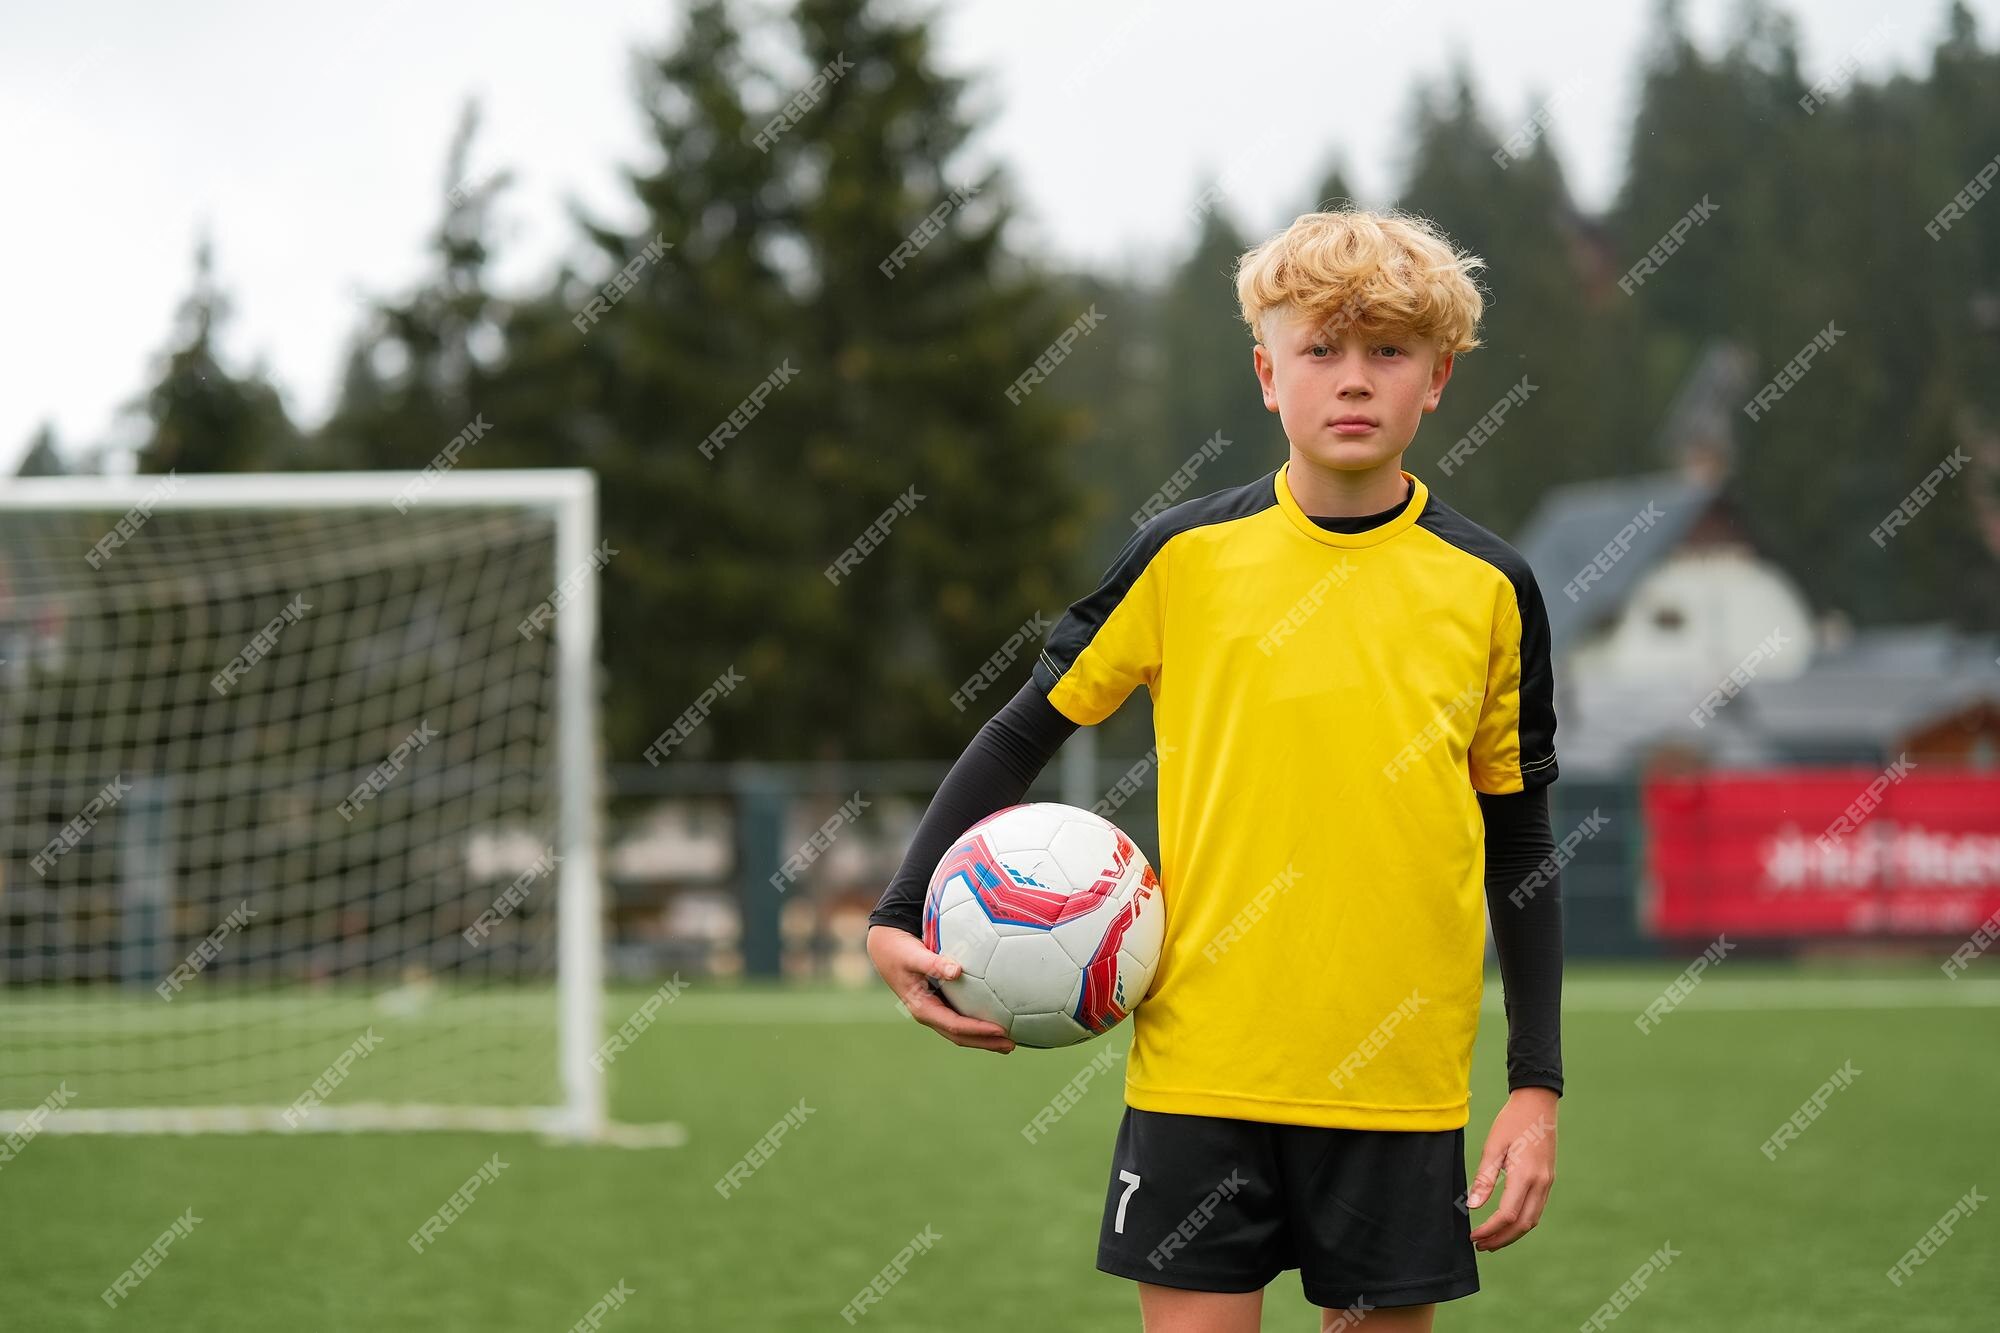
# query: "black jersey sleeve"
(1524, 903)
(995, 771)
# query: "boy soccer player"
(1352, 696)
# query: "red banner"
(1824, 852)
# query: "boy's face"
(1349, 399)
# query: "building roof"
(1606, 727)
(1855, 703)
(1574, 524)
(1861, 694)
(1883, 684)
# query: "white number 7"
(1132, 1183)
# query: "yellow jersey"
(1326, 706)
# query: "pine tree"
(1334, 193)
(1819, 230)
(1208, 392)
(1113, 390)
(200, 417)
(43, 457)
(1547, 346)
(420, 372)
(762, 392)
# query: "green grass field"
(1660, 1140)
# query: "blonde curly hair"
(1390, 270)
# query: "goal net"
(299, 800)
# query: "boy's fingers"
(918, 968)
(1482, 1182)
(1520, 1209)
(999, 1045)
(923, 962)
(979, 1040)
(1522, 1200)
(934, 1013)
(1504, 1215)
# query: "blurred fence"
(1601, 881)
(772, 869)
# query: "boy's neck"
(1325, 492)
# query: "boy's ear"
(1260, 361)
(1440, 374)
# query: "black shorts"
(1365, 1215)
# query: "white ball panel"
(964, 933)
(1031, 973)
(1028, 828)
(1135, 978)
(951, 893)
(1008, 930)
(1074, 997)
(1080, 938)
(973, 998)
(1148, 930)
(1085, 850)
(1046, 1030)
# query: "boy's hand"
(908, 966)
(1523, 1144)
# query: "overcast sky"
(311, 142)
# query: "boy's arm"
(1105, 646)
(1512, 761)
(1101, 649)
(1524, 903)
(994, 772)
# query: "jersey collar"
(1419, 493)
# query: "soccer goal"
(301, 802)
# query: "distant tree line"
(817, 343)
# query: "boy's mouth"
(1352, 425)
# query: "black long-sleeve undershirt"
(994, 772)
(1013, 747)
(1525, 908)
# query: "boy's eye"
(1397, 350)
(1317, 348)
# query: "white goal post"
(300, 803)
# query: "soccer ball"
(1056, 918)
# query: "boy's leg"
(1399, 1319)
(1171, 1310)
